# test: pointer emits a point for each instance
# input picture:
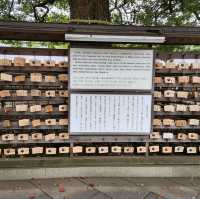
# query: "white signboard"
(110, 114)
(111, 69)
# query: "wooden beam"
(55, 32)
(96, 161)
(33, 51)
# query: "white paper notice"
(111, 69)
(110, 114)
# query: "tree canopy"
(128, 12)
(135, 12)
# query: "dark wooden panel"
(32, 51)
(55, 32)
(96, 161)
(36, 129)
(177, 55)
(178, 114)
(176, 100)
(176, 72)
(28, 115)
(173, 128)
(34, 69)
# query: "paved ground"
(102, 188)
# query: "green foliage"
(156, 12)
(35, 44)
(134, 12)
(161, 48)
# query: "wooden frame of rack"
(56, 33)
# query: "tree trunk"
(89, 10)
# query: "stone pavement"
(102, 188)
